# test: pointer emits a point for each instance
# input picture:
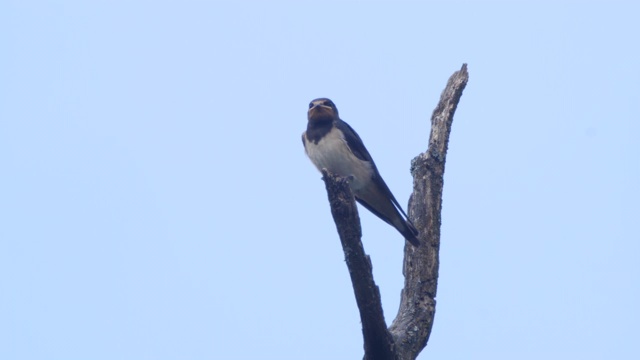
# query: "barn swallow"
(332, 144)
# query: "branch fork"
(410, 330)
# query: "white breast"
(333, 154)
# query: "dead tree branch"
(412, 325)
(411, 328)
(378, 344)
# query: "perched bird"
(332, 144)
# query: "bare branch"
(412, 325)
(410, 330)
(378, 343)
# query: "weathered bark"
(411, 328)
(378, 344)
(412, 325)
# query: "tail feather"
(410, 233)
(381, 205)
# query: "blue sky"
(156, 202)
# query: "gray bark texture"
(408, 334)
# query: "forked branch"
(411, 328)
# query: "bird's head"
(322, 110)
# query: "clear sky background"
(156, 202)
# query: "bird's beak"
(321, 111)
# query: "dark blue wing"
(353, 140)
(360, 151)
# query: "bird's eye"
(310, 105)
(329, 103)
